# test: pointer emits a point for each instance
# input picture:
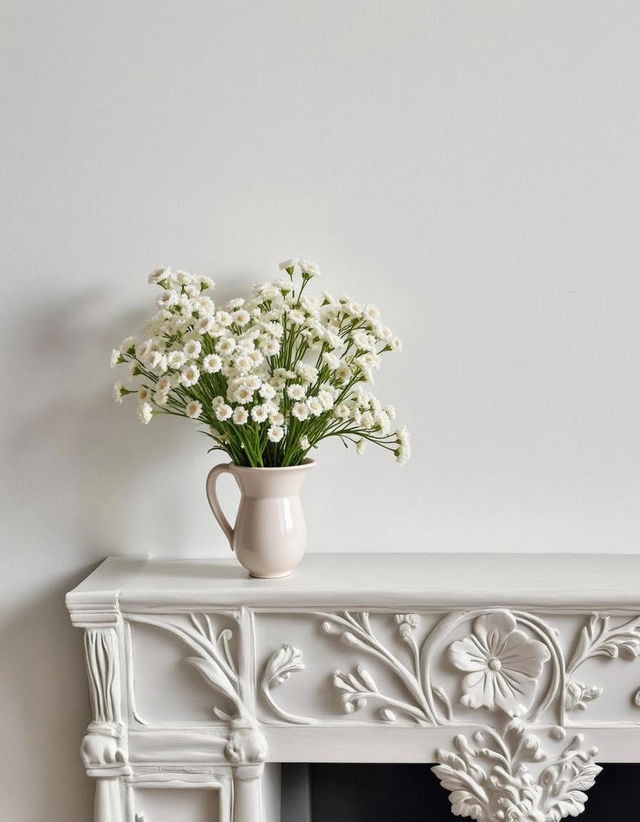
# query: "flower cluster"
(269, 377)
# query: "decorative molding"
(501, 664)
(101, 654)
(491, 779)
(213, 661)
(356, 689)
(102, 752)
(578, 695)
(496, 690)
(278, 668)
(599, 638)
(246, 745)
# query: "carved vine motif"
(279, 667)
(490, 780)
(599, 638)
(213, 661)
(356, 689)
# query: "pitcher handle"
(218, 513)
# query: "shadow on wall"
(43, 677)
(79, 486)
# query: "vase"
(270, 535)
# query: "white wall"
(471, 167)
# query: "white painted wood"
(471, 661)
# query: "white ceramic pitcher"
(270, 534)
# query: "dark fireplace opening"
(411, 793)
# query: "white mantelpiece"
(512, 672)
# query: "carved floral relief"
(501, 664)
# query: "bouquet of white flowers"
(269, 378)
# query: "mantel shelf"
(338, 579)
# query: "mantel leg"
(108, 805)
(247, 793)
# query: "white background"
(472, 168)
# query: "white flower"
(304, 443)
(266, 391)
(240, 415)
(360, 445)
(368, 420)
(145, 412)
(275, 433)
(190, 375)
(296, 391)
(286, 264)
(206, 282)
(253, 382)
(167, 298)
(144, 393)
(310, 269)
(368, 361)
(225, 346)
(342, 412)
(128, 345)
(236, 302)
(259, 413)
(183, 277)
(307, 372)
(176, 359)
(159, 275)
(300, 411)
(216, 401)
(276, 329)
(153, 360)
(241, 317)
(242, 394)
(502, 664)
(256, 357)
(160, 397)
(343, 373)
(118, 392)
(396, 344)
(326, 399)
(212, 364)
(243, 363)
(296, 317)
(115, 358)
(192, 349)
(270, 347)
(223, 412)
(224, 319)
(276, 418)
(204, 325)
(403, 452)
(331, 361)
(193, 409)
(315, 406)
